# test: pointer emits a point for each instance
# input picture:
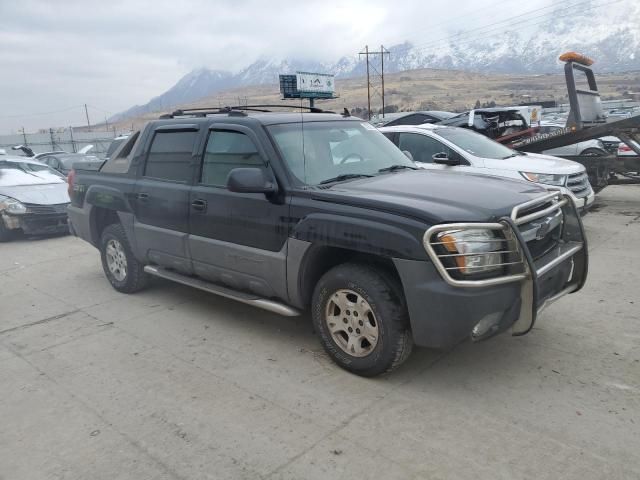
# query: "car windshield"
(316, 152)
(24, 173)
(475, 144)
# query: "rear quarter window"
(120, 161)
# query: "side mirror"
(408, 154)
(443, 159)
(249, 180)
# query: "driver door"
(237, 239)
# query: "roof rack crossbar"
(204, 111)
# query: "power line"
(21, 115)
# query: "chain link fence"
(68, 140)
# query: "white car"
(459, 149)
(33, 198)
(594, 147)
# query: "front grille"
(35, 209)
(578, 183)
(541, 225)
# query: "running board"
(270, 305)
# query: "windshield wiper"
(344, 176)
(510, 156)
(393, 168)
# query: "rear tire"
(362, 319)
(124, 272)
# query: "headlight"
(11, 205)
(546, 178)
(474, 251)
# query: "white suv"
(462, 150)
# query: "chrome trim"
(270, 305)
(564, 251)
(444, 271)
(570, 289)
(539, 214)
(559, 259)
(535, 201)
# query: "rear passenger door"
(161, 197)
(237, 239)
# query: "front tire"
(362, 319)
(120, 266)
(593, 152)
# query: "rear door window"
(170, 156)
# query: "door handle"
(143, 197)
(200, 205)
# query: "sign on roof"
(315, 82)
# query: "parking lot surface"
(175, 383)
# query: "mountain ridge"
(614, 41)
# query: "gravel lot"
(174, 383)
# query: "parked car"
(316, 211)
(411, 118)
(63, 162)
(493, 122)
(461, 150)
(595, 147)
(625, 150)
(28, 152)
(33, 198)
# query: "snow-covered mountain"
(610, 36)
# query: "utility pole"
(382, 75)
(370, 66)
(53, 141)
(73, 143)
(24, 136)
(86, 112)
(106, 123)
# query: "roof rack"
(236, 110)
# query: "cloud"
(114, 54)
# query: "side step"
(270, 305)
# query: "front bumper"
(33, 224)
(444, 312)
(583, 203)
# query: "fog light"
(487, 325)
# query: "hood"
(436, 196)
(42, 194)
(536, 163)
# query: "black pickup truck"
(316, 211)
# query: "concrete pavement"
(178, 384)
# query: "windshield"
(319, 151)
(475, 144)
(18, 173)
